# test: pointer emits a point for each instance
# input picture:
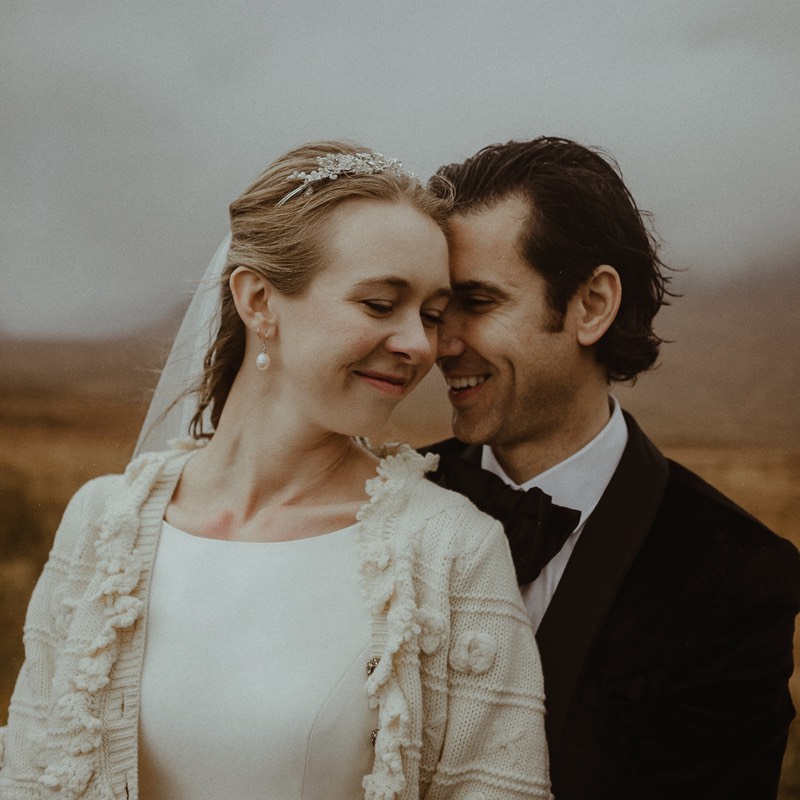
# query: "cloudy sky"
(127, 128)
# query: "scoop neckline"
(329, 536)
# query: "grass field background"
(724, 404)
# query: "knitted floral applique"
(435, 628)
(473, 652)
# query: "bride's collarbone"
(269, 507)
(268, 524)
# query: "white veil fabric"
(168, 417)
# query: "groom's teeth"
(464, 383)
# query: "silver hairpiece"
(336, 164)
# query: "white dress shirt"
(579, 483)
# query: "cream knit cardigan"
(458, 684)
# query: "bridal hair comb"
(336, 164)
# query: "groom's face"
(509, 365)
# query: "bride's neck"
(263, 448)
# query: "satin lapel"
(604, 552)
(472, 453)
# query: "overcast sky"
(127, 128)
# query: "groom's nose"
(450, 342)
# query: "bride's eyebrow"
(396, 282)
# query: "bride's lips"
(384, 381)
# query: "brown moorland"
(723, 403)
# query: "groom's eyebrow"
(488, 287)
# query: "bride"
(274, 608)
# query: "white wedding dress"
(254, 668)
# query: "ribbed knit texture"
(458, 687)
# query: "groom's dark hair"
(581, 216)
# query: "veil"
(173, 405)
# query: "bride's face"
(364, 333)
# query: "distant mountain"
(125, 364)
(730, 374)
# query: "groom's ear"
(596, 304)
(251, 294)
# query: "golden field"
(74, 413)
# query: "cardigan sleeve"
(47, 620)
(494, 745)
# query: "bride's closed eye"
(379, 307)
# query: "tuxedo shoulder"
(700, 509)
(697, 496)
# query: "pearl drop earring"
(262, 359)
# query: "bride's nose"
(413, 340)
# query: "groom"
(665, 620)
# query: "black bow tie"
(535, 526)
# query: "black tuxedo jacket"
(667, 646)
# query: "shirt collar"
(580, 480)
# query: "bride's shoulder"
(107, 498)
(402, 470)
(148, 465)
(139, 476)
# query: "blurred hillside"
(731, 372)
